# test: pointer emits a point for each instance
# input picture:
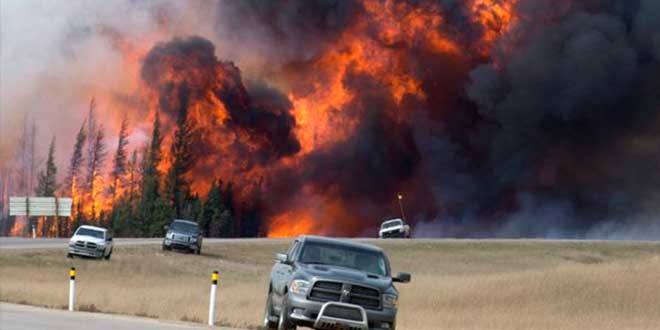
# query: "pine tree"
(133, 178)
(122, 217)
(46, 184)
(94, 166)
(210, 210)
(153, 212)
(228, 200)
(73, 182)
(96, 153)
(177, 186)
(118, 178)
(119, 167)
(216, 217)
(91, 137)
(192, 209)
(252, 215)
(77, 161)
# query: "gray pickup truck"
(183, 235)
(327, 283)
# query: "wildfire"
(243, 137)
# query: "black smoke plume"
(190, 64)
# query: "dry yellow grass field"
(456, 284)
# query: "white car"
(394, 228)
(90, 241)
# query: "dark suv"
(327, 283)
(184, 235)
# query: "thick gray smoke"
(571, 96)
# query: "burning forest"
(492, 118)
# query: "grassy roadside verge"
(456, 284)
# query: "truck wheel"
(69, 255)
(109, 255)
(268, 314)
(199, 250)
(284, 323)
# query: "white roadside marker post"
(72, 288)
(214, 289)
(34, 232)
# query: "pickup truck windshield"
(344, 256)
(89, 232)
(392, 224)
(183, 227)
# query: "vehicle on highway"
(90, 241)
(394, 228)
(326, 283)
(183, 235)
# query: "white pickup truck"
(90, 241)
(394, 228)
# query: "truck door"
(283, 272)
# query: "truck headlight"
(300, 287)
(100, 246)
(390, 301)
(193, 239)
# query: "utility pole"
(403, 214)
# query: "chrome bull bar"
(341, 316)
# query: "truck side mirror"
(401, 278)
(109, 239)
(282, 257)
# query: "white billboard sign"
(40, 206)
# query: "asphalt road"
(12, 243)
(20, 243)
(21, 317)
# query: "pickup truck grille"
(82, 244)
(181, 238)
(334, 291)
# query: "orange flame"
(496, 16)
(18, 229)
(291, 224)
